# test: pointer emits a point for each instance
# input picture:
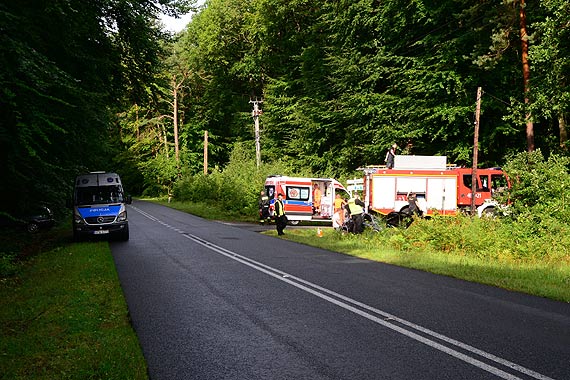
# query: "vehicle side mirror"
(129, 200)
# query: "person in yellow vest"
(356, 208)
(280, 217)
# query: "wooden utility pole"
(256, 113)
(526, 76)
(205, 152)
(475, 151)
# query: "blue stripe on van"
(87, 212)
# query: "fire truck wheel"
(489, 212)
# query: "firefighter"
(356, 208)
(413, 206)
(390, 156)
(280, 217)
(263, 207)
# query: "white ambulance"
(299, 197)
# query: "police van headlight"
(122, 216)
(77, 218)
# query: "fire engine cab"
(438, 187)
(300, 197)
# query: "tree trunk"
(163, 133)
(526, 76)
(563, 132)
(175, 118)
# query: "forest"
(99, 85)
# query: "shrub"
(538, 194)
(236, 188)
(8, 266)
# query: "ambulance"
(298, 197)
(99, 206)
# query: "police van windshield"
(98, 195)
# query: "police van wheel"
(124, 236)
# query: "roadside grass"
(206, 210)
(63, 316)
(544, 279)
(475, 250)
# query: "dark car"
(38, 218)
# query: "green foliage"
(236, 188)
(539, 191)
(65, 317)
(8, 266)
(198, 187)
(161, 173)
(341, 81)
(537, 276)
(549, 54)
(66, 66)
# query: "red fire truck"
(298, 197)
(438, 187)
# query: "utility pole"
(475, 151)
(255, 114)
(526, 76)
(205, 152)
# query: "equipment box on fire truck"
(439, 188)
(300, 197)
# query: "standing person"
(263, 207)
(317, 197)
(390, 156)
(339, 207)
(337, 220)
(356, 208)
(280, 217)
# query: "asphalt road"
(216, 301)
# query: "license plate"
(101, 232)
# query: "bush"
(538, 195)
(236, 188)
(8, 266)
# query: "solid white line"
(322, 293)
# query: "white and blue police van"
(99, 206)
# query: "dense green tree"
(83, 81)
(66, 66)
(549, 56)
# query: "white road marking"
(351, 305)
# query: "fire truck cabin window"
(498, 182)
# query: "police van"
(99, 206)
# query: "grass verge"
(543, 279)
(461, 248)
(63, 316)
(204, 210)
